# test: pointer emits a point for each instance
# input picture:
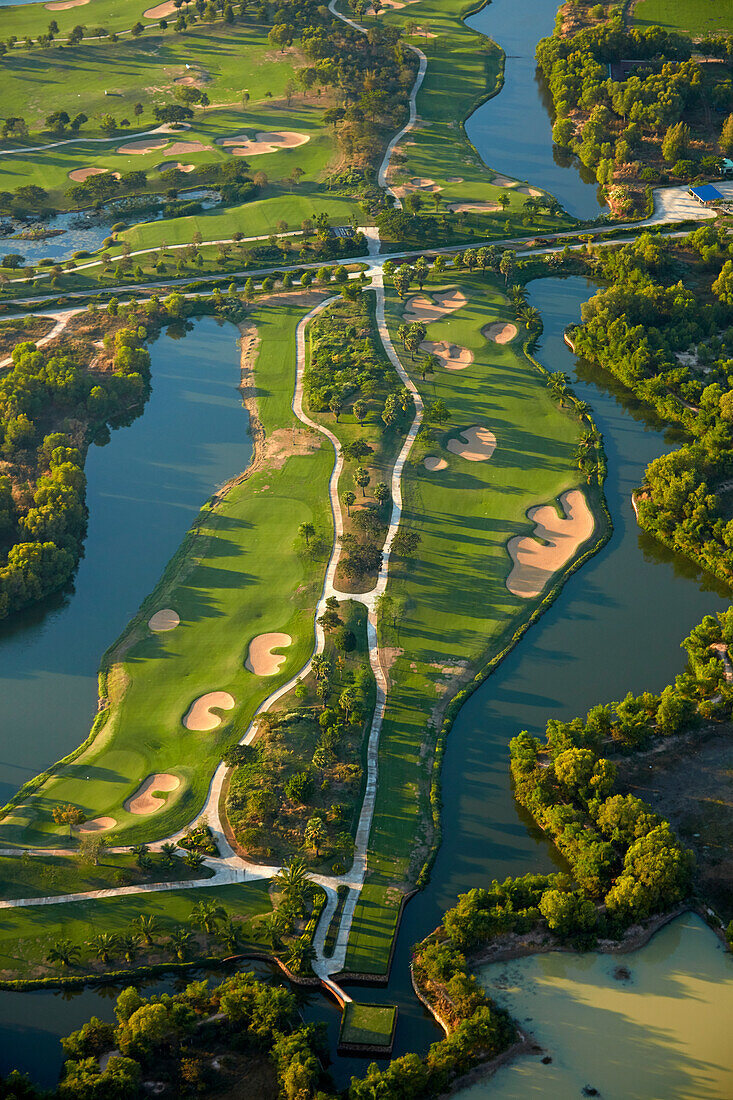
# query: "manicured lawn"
(240, 572)
(695, 17)
(367, 1024)
(458, 611)
(42, 876)
(33, 19)
(27, 934)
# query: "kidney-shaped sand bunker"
(535, 562)
(260, 658)
(200, 716)
(147, 799)
(477, 444)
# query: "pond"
(655, 1022)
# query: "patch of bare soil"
(690, 783)
(12, 332)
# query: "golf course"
(262, 683)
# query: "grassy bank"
(694, 17)
(242, 571)
(456, 609)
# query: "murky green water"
(665, 1032)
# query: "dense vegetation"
(298, 788)
(199, 1041)
(634, 107)
(42, 484)
(663, 328)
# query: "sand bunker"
(81, 174)
(164, 165)
(477, 444)
(454, 179)
(473, 207)
(199, 715)
(137, 148)
(422, 308)
(64, 5)
(185, 148)
(146, 799)
(451, 356)
(504, 181)
(160, 11)
(167, 619)
(432, 463)
(97, 825)
(423, 183)
(530, 191)
(500, 332)
(535, 562)
(265, 141)
(260, 659)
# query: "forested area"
(190, 1043)
(663, 329)
(51, 406)
(634, 106)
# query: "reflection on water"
(144, 488)
(662, 1032)
(513, 131)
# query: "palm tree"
(321, 667)
(64, 952)
(294, 882)
(129, 946)
(141, 851)
(207, 914)
(306, 531)
(230, 935)
(180, 940)
(103, 945)
(146, 926)
(315, 834)
(168, 851)
(275, 926)
(194, 860)
(349, 498)
(402, 332)
(531, 317)
(300, 954)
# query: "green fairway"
(367, 1024)
(695, 17)
(458, 612)
(242, 571)
(27, 934)
(33, 19)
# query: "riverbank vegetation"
(662, 328)
(633, 104)
(242, 1034)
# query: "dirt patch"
(97, 825)
(451, 356)
(387, 657)
(166, 619)
(261, 660)
(500, 332)
(147, 798)
(200, 715)
(476, 444)
(688, 780)
(64, 5)
(422, 308)
(434, 464)
(535, 562)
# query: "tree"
(180, 941)
(676, 142)
(147, 926)
(726, 137)
(129, 945)
(230, 934)
(168, 851)
(91, 847)
(381, 492)
(362, 478)
(307, 531)
(104, 945)
(137, 29)
(294, 882)
(439, 412)
(507, 264)
(405, 542)
(207, 915)
(64, 952)
(68, 814)
(329, 620)
(300, 955)
(402, 279)
(315, 834)
(194, 860)
(360, 410)
(335, 406)
(349, 498)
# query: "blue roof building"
(706, 194)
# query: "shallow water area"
(662, 1032)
